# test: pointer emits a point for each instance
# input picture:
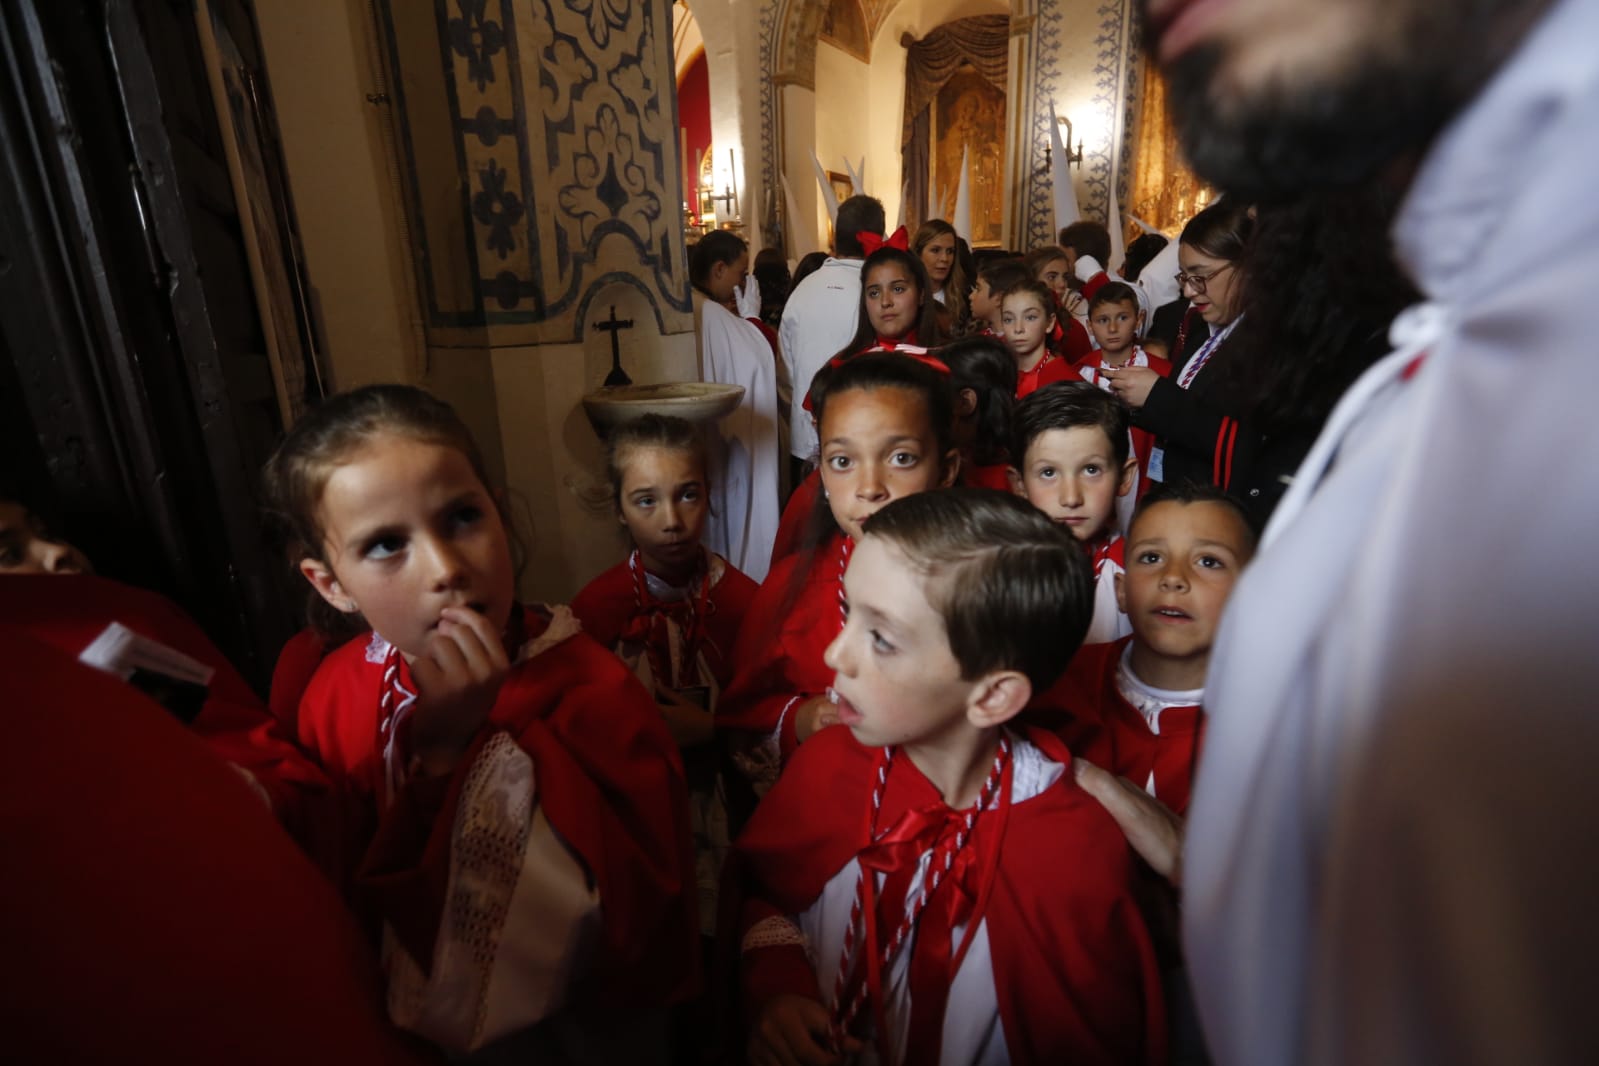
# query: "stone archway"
(790, 30)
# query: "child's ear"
(952, 468)
(966, 403)
(1017, 485)
(1121, 593)
(1129, 468)
(1139, 327)
(998, 697)
(327, 585)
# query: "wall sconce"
(1074, 156)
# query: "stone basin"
(696, 401)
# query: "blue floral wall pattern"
(541, 160)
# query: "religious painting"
(969, 123)
(844, 27)
(843, 187)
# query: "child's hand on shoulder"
(814, 714)
(458, 679)
(794, 1030)
(1153, 830)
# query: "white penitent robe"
(744, 452)
(1390, 854)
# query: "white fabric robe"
(744, 453)
(1391, 854)
(819, 319)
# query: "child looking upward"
(1117, 321)
(1132, 706)
(1070, 459)
(1027, 315)
(930, 882)
(886, 422)
(530, 846)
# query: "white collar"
(1451, 232)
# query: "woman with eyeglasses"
(1320, 286)
(1182, 410)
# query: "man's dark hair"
(717, 246)
(1140, 252)
(1088, 238)
(858, 214)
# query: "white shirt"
(745, 462)
(819, 319)
(1391, 853)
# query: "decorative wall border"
(771, 229)
(559, 142)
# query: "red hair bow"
(921, 355)
(871, 242)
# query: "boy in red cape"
(997, 922)
(1133, 706)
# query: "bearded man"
(1391, 853)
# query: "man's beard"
(1276, 144)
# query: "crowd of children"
(862, 801)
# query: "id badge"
(1157, 464)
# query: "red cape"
(607, 604)
(70, 611)
(154, 910)
(1074, 970)
(1087, 710)
(779, 654)
(796, 512)
(609, 780)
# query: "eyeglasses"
(1198, 281)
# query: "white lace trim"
(486, 846)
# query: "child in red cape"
(929, 881)
(1116, 319)
(886, 425)
(672, 610)
(1133, 706)
(532, 868)
(1073, 462)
